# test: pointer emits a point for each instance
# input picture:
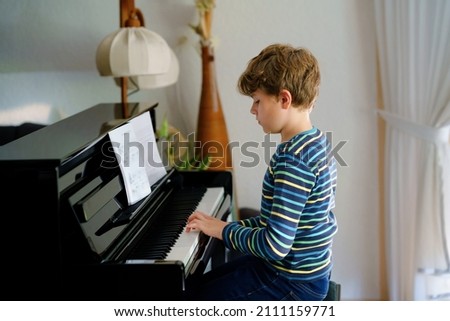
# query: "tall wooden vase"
(211, 126)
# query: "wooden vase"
(211, 126)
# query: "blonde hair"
(281, 66)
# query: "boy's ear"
(286, 98)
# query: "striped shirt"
(296, 225)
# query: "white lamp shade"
(157, 80)
(133, 51)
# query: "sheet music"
(145, 135)
(135, 147)
(134, 174)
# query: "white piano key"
(187, 243)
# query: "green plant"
(178, 151)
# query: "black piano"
(67, 232)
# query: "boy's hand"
(211, 226)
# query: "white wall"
(47, 72)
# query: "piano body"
(67, 232)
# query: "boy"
(287, 248)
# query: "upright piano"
(67, 232)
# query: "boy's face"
(268, 111)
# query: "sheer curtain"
(413, 42)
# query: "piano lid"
(63, 138)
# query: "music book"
(135, 147)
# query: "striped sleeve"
(292, 181)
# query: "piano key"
(187, 243)
(167, 239)
(158, 240)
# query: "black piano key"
(164, 232)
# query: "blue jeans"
(250, 278)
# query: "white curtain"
(413, 43)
